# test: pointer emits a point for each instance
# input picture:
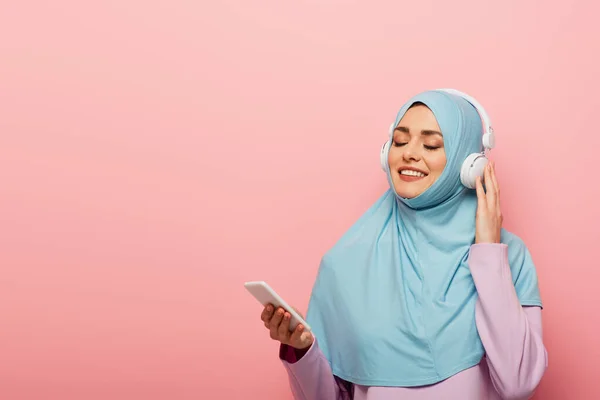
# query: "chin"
(406, 194)
(409, 190)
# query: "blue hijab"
(394, 301)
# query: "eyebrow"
(424, 132)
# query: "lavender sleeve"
(511, 334)
(310, 375)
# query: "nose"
(411, 152)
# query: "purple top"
(515, 357)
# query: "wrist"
(495, 239)
(483, 241)
(292, 354)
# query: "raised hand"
(488, 220)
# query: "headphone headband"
(488, 138)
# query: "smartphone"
(266, 295)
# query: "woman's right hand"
(277, 321)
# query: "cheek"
(393, 155)
(437, 163)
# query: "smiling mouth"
(410, 172)
(409, 175)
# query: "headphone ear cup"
(489, 140)
(384, 156)
(384, 149)
(472, 167)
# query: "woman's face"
(417, 157)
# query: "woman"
(426, 296)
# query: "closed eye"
(399, 144)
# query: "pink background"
(157, 154)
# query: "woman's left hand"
(488, 220)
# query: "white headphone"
(475, 163)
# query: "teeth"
(411, 173)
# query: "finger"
(267, 313)
(284, 328)
(490, 193)
(275, 321)
(481, 201)
(305, 339)
(295, 338)
(496, 186)
(301, 338)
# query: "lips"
(411, 171)
(411, 174)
